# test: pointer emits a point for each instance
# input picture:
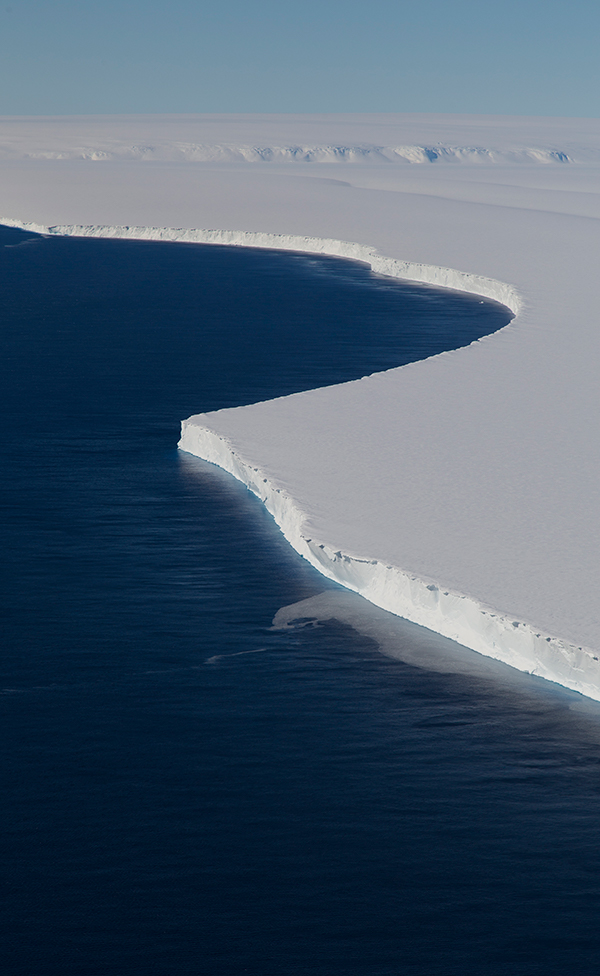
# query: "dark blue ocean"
(188, 789)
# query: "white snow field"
(461, 492)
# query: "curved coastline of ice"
(424, 601)
(429, 274)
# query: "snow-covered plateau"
(462, 491)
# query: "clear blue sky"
(524, 57)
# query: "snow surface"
(462, 491)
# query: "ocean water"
(216, 761)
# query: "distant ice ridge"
(223, 153)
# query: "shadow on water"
(420, 648)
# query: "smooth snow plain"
(460, 492)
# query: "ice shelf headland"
(462, 491)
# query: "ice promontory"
(455, 615)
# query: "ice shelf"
(462, 491)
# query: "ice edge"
(444, 277)
(455, 615)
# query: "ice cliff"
(455, 615)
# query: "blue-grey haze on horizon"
(61, 57)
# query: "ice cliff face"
(442, 277)
(454, 615)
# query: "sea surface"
(214, 760)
